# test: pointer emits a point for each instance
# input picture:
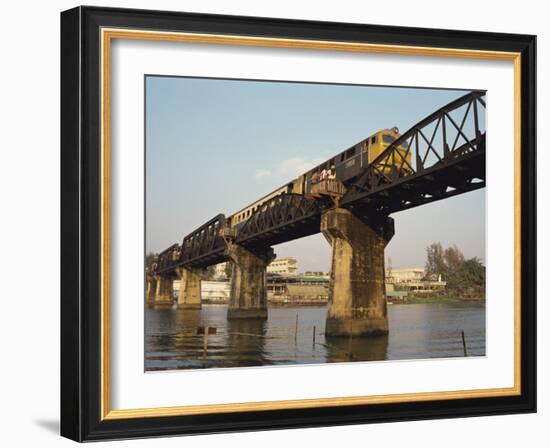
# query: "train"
(346, 166)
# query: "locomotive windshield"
(390, 139)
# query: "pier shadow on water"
(341, 349)
(246, 342)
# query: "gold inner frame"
(107, 35)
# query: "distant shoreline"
(438, 299)
(322, 303)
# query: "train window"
(373, 140)
(350, 152)
(388, 138)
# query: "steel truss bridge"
(444, 157)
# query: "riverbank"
(442, 299)
(411, 300)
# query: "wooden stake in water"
(350, 349)
(296, 330)
(314, 337)
(464, 344)
(205, 342)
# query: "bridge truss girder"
(281, 219)
(439, 182)
(451, 136)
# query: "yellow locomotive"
(344, 167)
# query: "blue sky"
(214, 146)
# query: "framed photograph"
(273, 223)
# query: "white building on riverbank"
(283, 266)
(404, 275)
(211, 291)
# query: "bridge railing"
(283, 210)
(167, 259)
(204, 241)
(451, 132)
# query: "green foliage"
(150, 259)
(453, 258)
(210, 272)
(228, 269)
(454, 269)
(435, 262)
(470, 274)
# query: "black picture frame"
(81, 224)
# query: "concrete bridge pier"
(162, 295)
(357, 293)
(189, 296)
(248, 298)
(151, 289)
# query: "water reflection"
(372, 348)
(173, 338)
(246, 342)
(434, 330)
(187, 320)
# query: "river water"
(416, 331)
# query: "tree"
(150, 258)
(454, 258)
(456, 271)
(228, 269)
(210, 272)
(435, 262)
(470, 274)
